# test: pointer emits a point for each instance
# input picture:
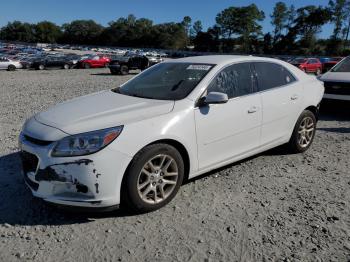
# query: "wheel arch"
(314, 110)
(178, 146)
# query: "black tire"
(86, 66)
(11, 68)
(124, 70)
(294, 144)
(131, 198)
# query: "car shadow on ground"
(19, 207)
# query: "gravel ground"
(272, 207)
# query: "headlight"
(85, 143)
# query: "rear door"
(281, 100)
(225, 131)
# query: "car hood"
(101, 110)
(336, 77)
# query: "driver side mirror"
(213, 98)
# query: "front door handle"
(252, 110)
(294, 97)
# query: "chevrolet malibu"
(134, 145)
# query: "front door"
(225, 131)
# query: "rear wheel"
(66, 66)
(11, 68)
(124, 70)
(303, 133)
(318, 71)
(86, 65)
(153, 178)
(41, 67)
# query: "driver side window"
(235, 80)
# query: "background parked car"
(337, 81)
(9, 64)
(155, 59)
(308, 65)
(52, 62)
(122, 64)
(95, 61)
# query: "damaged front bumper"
(91, 181)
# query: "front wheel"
(66, 66)
(153, 178)
(11, 68)
(124, 70)
(318, 71)
(303, 133)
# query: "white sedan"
(134, 145)
(9, 65)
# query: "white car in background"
(134, 145)
(8, 64)
(337, 81)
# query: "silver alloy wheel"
(157, 179)
(41, 67)
(306, 132)
(66, 66)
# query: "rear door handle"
(252, 110)
(294, 97)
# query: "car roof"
(222, 59)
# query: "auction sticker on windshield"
(199, 67)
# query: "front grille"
(37, 141)
(29, 162)
(337, 88)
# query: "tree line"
(237, 29)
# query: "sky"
(160, 11)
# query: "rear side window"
(235, 80)
(271, 75)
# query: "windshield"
(343, 66)
(299, 60)
(166, 81)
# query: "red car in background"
(308, 65)
(94, 61)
